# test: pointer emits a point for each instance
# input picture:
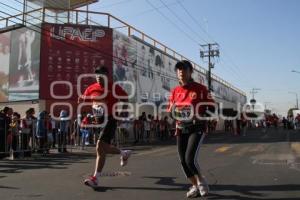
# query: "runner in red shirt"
(103, 99)
(185, 108)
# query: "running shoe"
(124, 157)
(193, 192)
(203, 188)
(91, 182)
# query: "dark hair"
(6, 109)
(183, 64)
(16, 114)
(101, 70)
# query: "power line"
(195, 21)
(116, 4)
(203, 29)
(170, 21)
(182, 21)
(152, 9)
(178, 2)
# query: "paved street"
(260, 165)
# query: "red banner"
(67, 52)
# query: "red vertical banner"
(67, 52)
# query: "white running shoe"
(203, 188)
(193, 192)
(124, 157)
(91, 181)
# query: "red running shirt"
(185, 98)
(94, 91)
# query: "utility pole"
(254, 91)
(297, 106)
(253, 101)
(213, 51)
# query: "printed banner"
(24, 64)
(69, 51)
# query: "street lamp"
(297, 106)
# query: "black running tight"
(188, 149)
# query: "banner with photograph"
(226, 93)
(69, 51)
(150, 71)
(4, 65)
(125, 67)
(24, 64)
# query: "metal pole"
(297, 101)
(209, 68)
(24, 11)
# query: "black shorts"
(107, 133)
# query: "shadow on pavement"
(51, 161)
(246, 192)
(165, 181)
(104, 189)
(7, 187)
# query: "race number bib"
(98, 110)
(184, 113)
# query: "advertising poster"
(227, 93)
(125, 63)
(4, 65)
(157, 75)
(24, 65)
(152, 72)
(70, 51)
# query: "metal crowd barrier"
(25, 143)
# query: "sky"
(258, 39)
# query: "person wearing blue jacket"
(41, 131)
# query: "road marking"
(112, 174)
(155, 151)
(167, 152)
(223, 149)
(241, 151)
(257, 148)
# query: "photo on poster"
(156, 77)
(4, 65)
(125, 67)
(24, 65)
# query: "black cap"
(101, 70)
(183, 64)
